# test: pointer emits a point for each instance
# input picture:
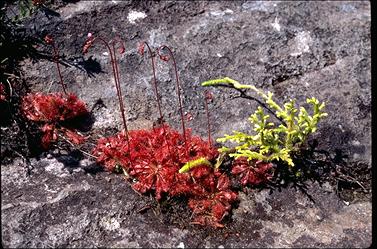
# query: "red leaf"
(52, 107)
(49, 135)
(141, 48)
(164, 57)
(74, 137)
(49, 39)
(223, 183)
(219, 210)
(88, 43)
(3, 93)
(213, 207)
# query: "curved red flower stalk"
(88, 43)
(50, 41)
(208, 97)
(115, 63)
(141, 51)
(178, 87)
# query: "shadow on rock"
(82, 123)
(324, 166)
(72, 161)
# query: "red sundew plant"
(168, 163)
(54, 110)
(211, 208)
(252, 172)
(155, 169)
(153, 165)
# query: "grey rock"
(294, 49)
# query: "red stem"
(208, 118)
(156, 91)
(114, 65)
(56, 59)
(120, 97)
(117, 86)
(155, 82)
(116, 81)
(178, 88)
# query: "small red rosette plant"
(54, 110)
(211, 207)
(252, 172)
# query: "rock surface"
(60, 205)
(294, 49)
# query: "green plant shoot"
(194, 163)
(271, 141)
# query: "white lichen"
(135, 15)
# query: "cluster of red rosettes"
(154, 157)
(54, 110)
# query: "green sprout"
(271, 141)
(194, 163)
